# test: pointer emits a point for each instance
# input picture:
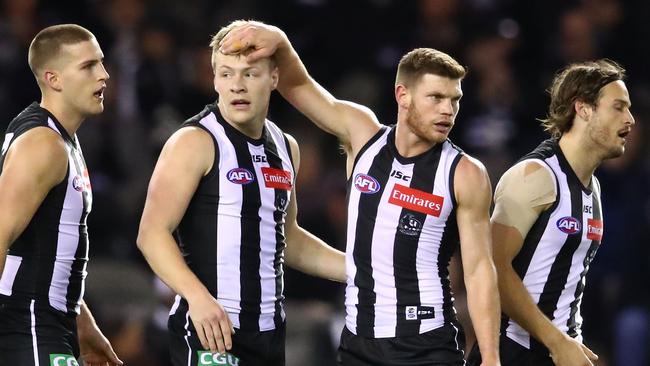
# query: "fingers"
(201, 334)
(226, 330)
(590, 354)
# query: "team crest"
(410, 225)
(78, 183)
(569, 225)
(240, 176)
(366, 184)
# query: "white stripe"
(7, 141)
(267, 244)
(68, 238)
(187, 338)
(177, 302)
(229, 224)
(381, 253)
(33, 330)
(351, 290)
(426, 261)
(12, 264)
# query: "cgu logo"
(568, 225)
(62, 360)
(217, 359)
(366, 184)
(240, 176)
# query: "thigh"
(36, 337)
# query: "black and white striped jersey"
(232, 234)
(558, 249)
(401, 234)
(47, 263)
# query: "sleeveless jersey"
(401, 234)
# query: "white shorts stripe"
(33, 329)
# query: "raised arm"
(35, 163)
(523, 193)
(184, 160)
(473, 194)
(352, 123)
(306, 252)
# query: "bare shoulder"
(41, 145)
(471, 170)
(471, 182)
(528, 173)
(188, 137)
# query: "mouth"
(99, 93)
(444, 125)
(623, 133)
(240, 104)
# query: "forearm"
(519, 306)
(484, 309)
(163, 255)
(308, 254)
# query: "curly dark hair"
(577, 82)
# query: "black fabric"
(438, 347)
(56, 334)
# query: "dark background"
(158, 57)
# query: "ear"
(584, 110)
(402, 96)
(52, 80)
(275, 77)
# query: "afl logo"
(569, 225)
(240, 176)
(366, 184)
(78, 183)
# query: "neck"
(69, 119)
(582, 158)
(252, 128)
(409, 144)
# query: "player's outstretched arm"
(34, 164)
(473, 195)
(95, 349)
(305, 252)
(352, 123)
(186, 157)
(523, 193)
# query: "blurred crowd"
(158, 57)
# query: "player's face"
(244, 88)
(434, 105)
(612, 120)
(83, 77)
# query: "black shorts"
(251, 348)
(441, 346)
(514, 354)
(37, 336)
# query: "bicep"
(473, 193)
(183, 162)
(352, 123)
(35, 163)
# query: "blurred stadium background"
(157, 55)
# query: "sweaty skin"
(523, 192)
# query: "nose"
(104, 72)
(238, 85)
(446, 107)
(630, 118)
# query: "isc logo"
(568, 225)
(366, 184)
(240, 176)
